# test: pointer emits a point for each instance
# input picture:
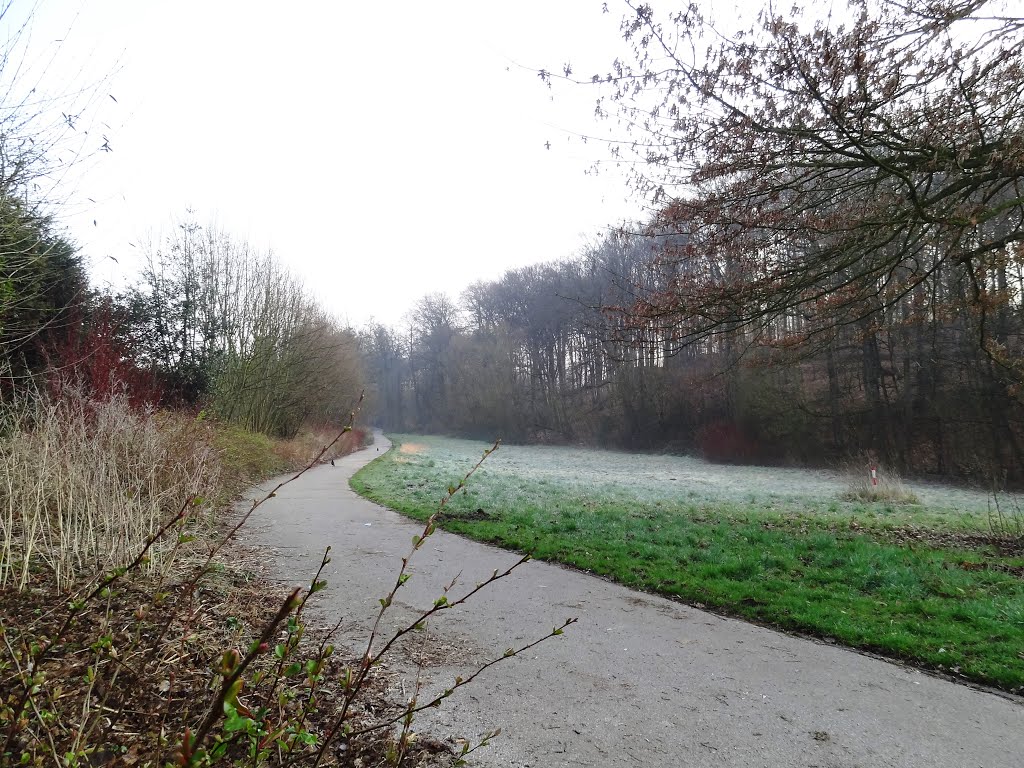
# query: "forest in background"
(832, 269)
(538, 356)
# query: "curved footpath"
(640, 680)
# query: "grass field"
(919, 582)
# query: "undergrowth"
(153, 652)
(84, 483)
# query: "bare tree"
(230, 326)
(822, 169)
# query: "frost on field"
(524, 471)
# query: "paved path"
(640, 680)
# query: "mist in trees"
(548, 354)
(834, 265)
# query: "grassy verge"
(921, 583)
(248, 457)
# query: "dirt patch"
(407, 451)
(1005, 546)
(474, 515)
(1013, 570)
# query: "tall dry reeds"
(83, 483)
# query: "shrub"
(84, 483)
(1005, 512)
(247, 456)
(297, 451)
(724, 442)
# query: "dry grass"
(84, 483)
(311, 439)
(889, 488)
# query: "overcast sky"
(382, 151)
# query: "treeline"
(229, 326)
(210, 324)
(42, 283)
(833, 268)
(560, 353)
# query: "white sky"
(383, 151)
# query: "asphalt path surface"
(639, 680)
